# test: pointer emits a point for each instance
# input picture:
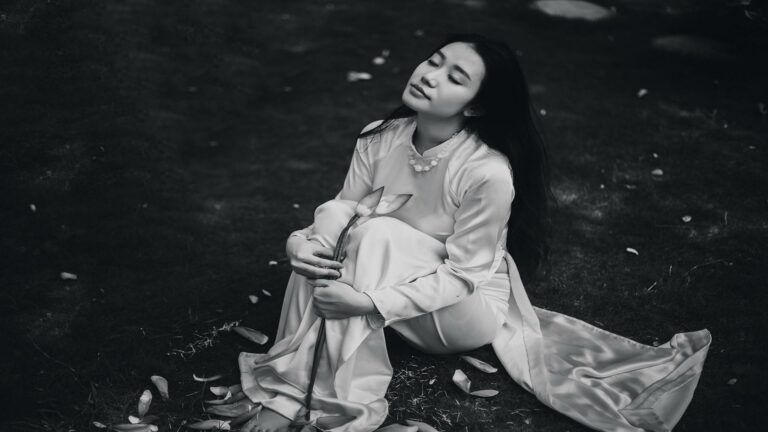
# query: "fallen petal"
(219, 390)
(161, 384)
(206, 379)
(572, 9)
(732, 381)
(633, 251)
(484, 393)
(210, 424)
(272, 262)
(252, 335)
(253, 299)
(657, 172)
(423, 427)
(99, 425)
(267, 293)
(378, 60)
(134, 419)
(461, 380)
(483, 366)
(686, 218)
(144, 401)
(642, 92)
(232, 410)
(432, 381)
(67, 276)
(34, 209)
(127, 427)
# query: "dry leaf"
(161, 384)
(633, 251)
(253, 299)
(210, 424)
(423, 427)
(251, 334)
(67, 276)
(206, 379)
(144, 401)
(483, 366)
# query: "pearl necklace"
(423, 164)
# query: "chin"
(411, 102)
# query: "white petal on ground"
(206, 379)
(254, 299)
(483, 366)
(461, 380)
(211, 424)
(272, 262)
(161, 384)
(134, 419)
(657, 172)
(127, 427)
(267, 293)
(67, 276)
(144, 401)
(353, 76)
(633, 251)
(99, 425)
(378, 60)
(33, 208)
(252, 335)
(686, 218)
(219, 390)
(484, 393)
(572, 9)
(423, 427)
(642, 92)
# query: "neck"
(431, 131)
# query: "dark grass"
(164, 145)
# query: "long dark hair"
(509, 125)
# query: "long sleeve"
(479, 222)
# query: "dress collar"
(443, 146)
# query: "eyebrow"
(459, 68)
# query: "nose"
(428, 80)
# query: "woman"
(445, 269)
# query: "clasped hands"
(332, 299)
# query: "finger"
(321, 262)
(314, 272)
(322, 250)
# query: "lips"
(420, 90)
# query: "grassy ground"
(169, 148)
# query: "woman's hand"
(306, 259)
(336, 300)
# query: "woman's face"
(450, 78)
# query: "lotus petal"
(254, 299)
(210, 424)
(252, 335)
(483, 366)
(232, 410)
(144, 401)
(219, 390)
(632, 251)
(330, 422)
(206, 379)
(423, 427)
(161, 384)
(461, 380)
(231, 398)
(133, 420)
(67, 276)
(369, 202)
(99, 425)
(267, 293)
(391, 203)
(572, 9)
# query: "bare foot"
(267, 421)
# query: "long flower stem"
(340, 245)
